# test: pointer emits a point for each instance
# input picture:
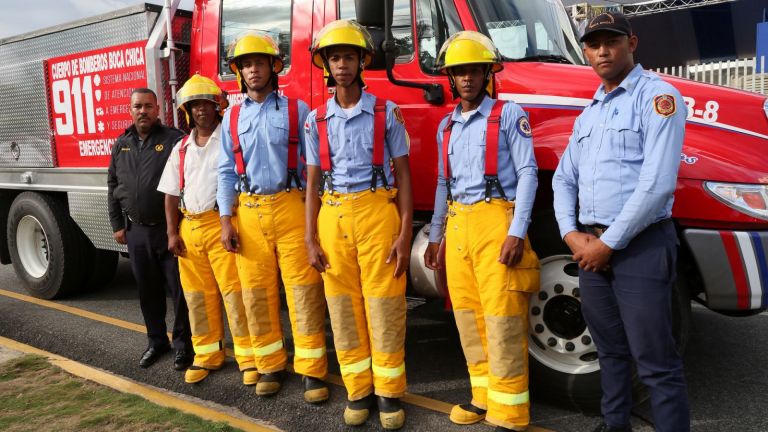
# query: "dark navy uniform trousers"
(154, 268)
(628, 310)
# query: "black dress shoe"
(183, 359)
(605, 428)
(152, 354)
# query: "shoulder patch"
(398, 115)
(664, 105)
(306, 126)
(524, 127)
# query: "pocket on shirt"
(626, 142)
(278, 131)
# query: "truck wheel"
(45, 245)
(564, 365)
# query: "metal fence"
(745, 74)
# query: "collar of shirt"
(214, 138)
(257, 106)
(628, 85)
(484, 108)
(365, 104)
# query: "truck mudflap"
(733, 267)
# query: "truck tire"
(563, 357)
(46, 246)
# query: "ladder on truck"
(583, 11)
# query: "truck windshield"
(526, 30)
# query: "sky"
(21, 16)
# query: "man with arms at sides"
(259, 176)
(360, 239)
(487, 179)
(208, 272)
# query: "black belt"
(598, 230)
(142, 223)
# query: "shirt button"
(601, 124)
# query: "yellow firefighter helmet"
(469, 47)
(342, 32)
(254, 43)
(199, 87)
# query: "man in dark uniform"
(137, 215)
(620, 167)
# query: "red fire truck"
(64, 98)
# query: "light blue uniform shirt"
(263, 134)
(351, 143)
(621, 162)
(517, 169)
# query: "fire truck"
(64, 99)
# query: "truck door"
(419, 29)
(289, 23)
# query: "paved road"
(724, 365)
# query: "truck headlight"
(751, 199)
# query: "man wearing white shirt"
(208, 272)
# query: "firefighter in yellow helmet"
(208, 273)
(487, 179)
(260, 178)
(359, 238)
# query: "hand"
(576, 240)
(401, 250)
(430, 256)
(176, 245)
(229, 237)
(511, 251)
(594, 257)
(316, 256)
(119, 236)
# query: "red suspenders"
(379, 133)
(182, 155)
(293, 146)
(491, 153)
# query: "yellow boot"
(250, 376)
(270, 383)
(195, 374)
(467, 414)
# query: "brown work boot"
(466, 414)
(357, 412)
(315, 390)
(270, 383)
(391, 413)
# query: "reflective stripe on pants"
(208, 274)
(366, 303)
(271, 233)
(490, 302)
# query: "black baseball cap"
(609, 21)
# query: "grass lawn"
(36, 396)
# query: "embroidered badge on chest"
(524, 127)
(159, 148)
(664, 105)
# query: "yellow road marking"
(410, 398)
(127, 386)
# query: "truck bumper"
(733, 266)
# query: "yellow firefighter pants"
(208, 274)
(271, 231)
(366, 302)
(490, 303)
